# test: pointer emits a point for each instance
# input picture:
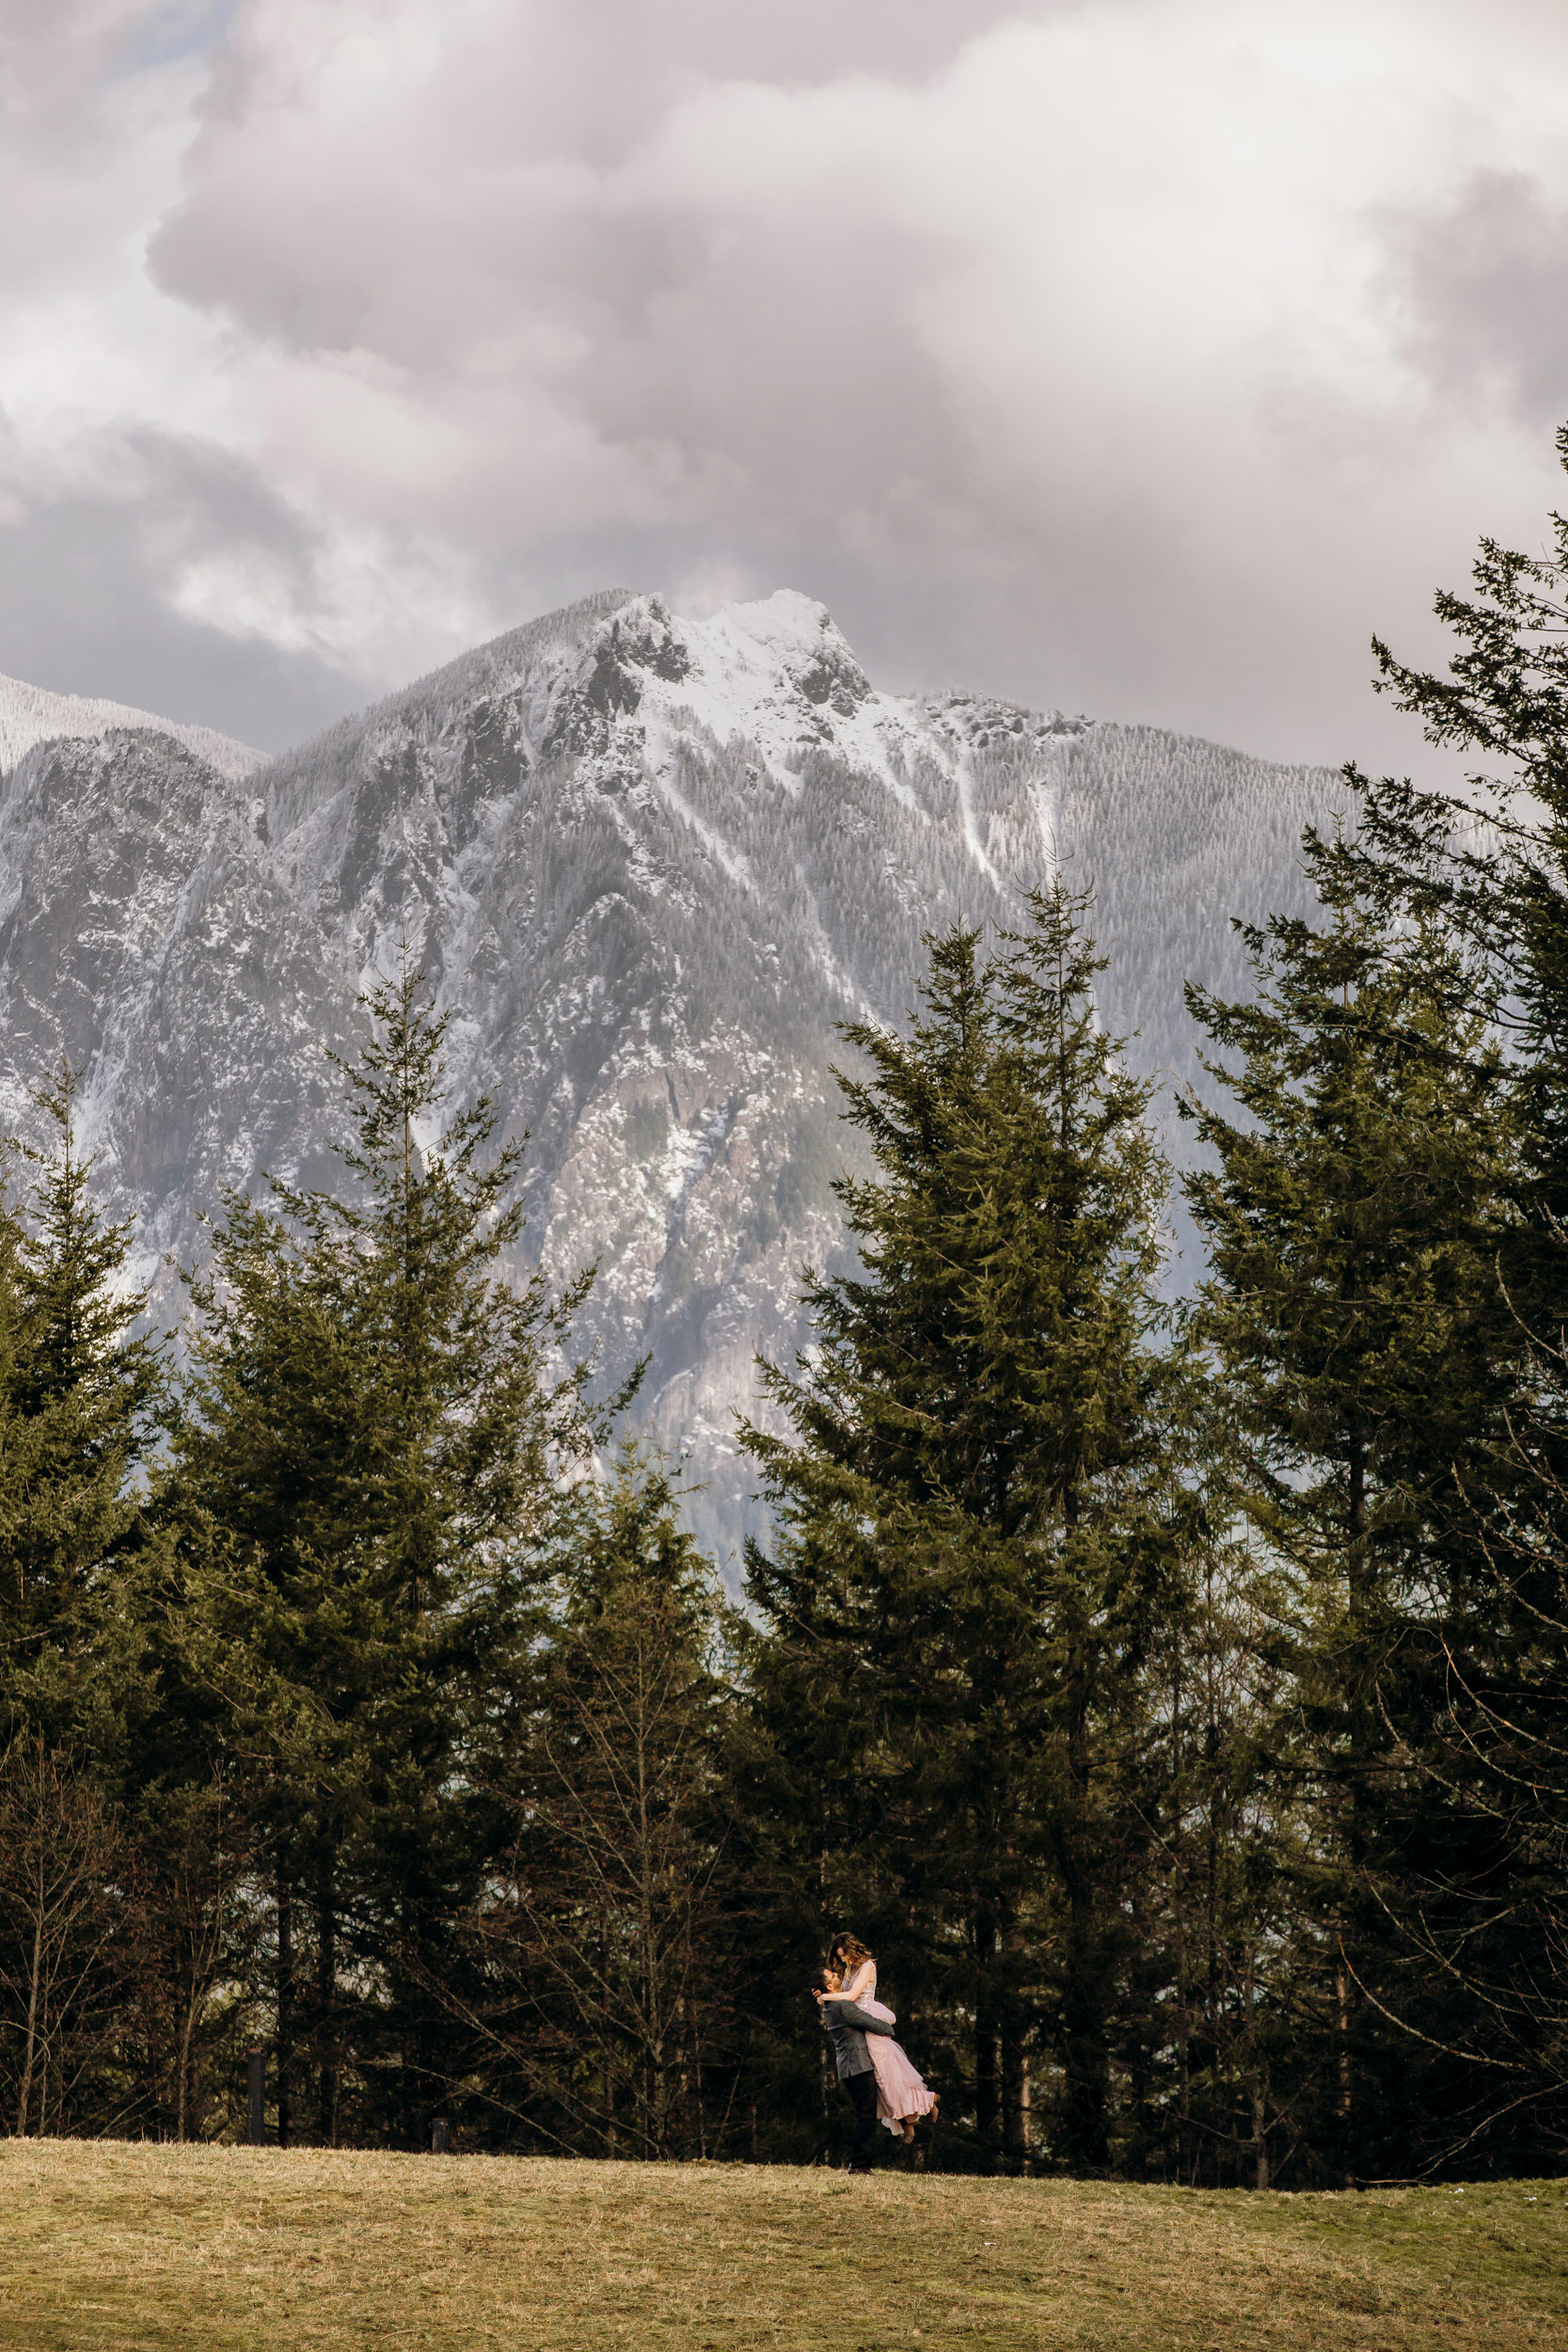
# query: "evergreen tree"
(81, 1401)
(374, 1434)
(103, 1727)
(1353, 1223)
(1489, 861)
(976, 1519)
(1353, 1217)
(605, 2016)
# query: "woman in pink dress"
(902, 2097)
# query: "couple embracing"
(873, 2069)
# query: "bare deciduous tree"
(199, 1925)
(60, 1856)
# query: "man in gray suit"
(847, 2026)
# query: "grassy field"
(139, 2247)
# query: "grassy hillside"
(133, 2247)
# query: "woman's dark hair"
(850, 1949)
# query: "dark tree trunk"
(285, 2037)
(326, 2000)
(1084, 2055)
(988, 2104)
(1179, 1920)
(1084, 2046)
(1015, 2139)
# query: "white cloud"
(1123, 354)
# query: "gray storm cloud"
(1140, 355)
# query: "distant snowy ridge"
(31, 715)
(649, 865)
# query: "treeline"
(1175, 1698)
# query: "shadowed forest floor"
(107, 2244)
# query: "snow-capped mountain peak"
(779, 675)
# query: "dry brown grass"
(211, 2248)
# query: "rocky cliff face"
(650, 864)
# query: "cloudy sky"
(1135, 356)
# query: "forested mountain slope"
(651, 864)
(30, 714)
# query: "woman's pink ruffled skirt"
(901, 2091)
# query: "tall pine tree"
(82, 1401)
(1488, 861)
(604, 2016)
(976, 1522)
(373, 1435)
(1353, 1214)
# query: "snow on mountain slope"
(144, 935)
(650, 865)
(29, 715)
